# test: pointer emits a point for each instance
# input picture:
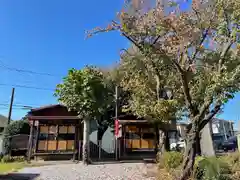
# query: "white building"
(222, 127)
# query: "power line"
(17, 108)
(27, 87)
(27, 71)
(17, 105)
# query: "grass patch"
(11, 167)
(15, 166)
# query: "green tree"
(193, 52)
(89, 93)
(148, 96)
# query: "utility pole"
(116, 119)
(11, 105)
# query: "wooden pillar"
(80, 131)
(30, 141)
(57, 136)
(36, 139)
(75, 142)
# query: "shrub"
(170, 160)
(18, 159)
(211, 168)
(7, 159)
(16, 127)
(233, 159)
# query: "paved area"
(107, 171)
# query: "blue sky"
(49, 36)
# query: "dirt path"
(116, 171)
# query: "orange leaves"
(195, 4)
(109, 27)
(238, 46)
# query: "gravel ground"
(118, 171)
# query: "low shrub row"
(206, 168)
(8, 159)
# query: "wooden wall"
(56, 138)
(139, 137)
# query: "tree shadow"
(19, 176)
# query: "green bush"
(7, 159)
(211, 168)
(233, 160)
(170, 160)
(19, 159)
(16, 127)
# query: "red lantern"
(116, 127)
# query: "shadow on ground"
(136, 157)
(18, 176)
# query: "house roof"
(216, 120)
(3, 121)
(50, 112)
(47, 107)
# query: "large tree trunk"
(162, 141)
(86, 147)
(191, 151)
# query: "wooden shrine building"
(57, 133)
(54, 132)
(139, 136)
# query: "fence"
(19, 142)
(98, 150)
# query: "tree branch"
(201, 42)
(133, 41)
(223, 54)
(204, 108)
(186, 90)
(153, 64)
(228, 44)
(210, 115)
(227, 21)
(155, 41)
(187, 95)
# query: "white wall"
(108, 141)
